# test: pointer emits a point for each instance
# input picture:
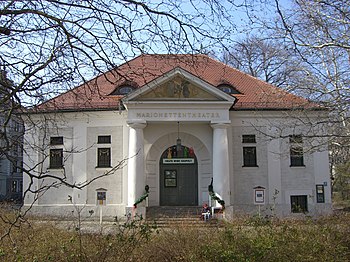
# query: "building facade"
(11, 138)
(180, 125)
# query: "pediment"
(178, 88)
(178, 85)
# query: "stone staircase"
(184, 216)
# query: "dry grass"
(327, 239)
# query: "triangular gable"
(178, 85)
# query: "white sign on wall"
(259, 195)
(178, 160)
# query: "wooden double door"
(179, 182)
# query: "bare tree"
(265, 58)
(319, 31)
(317, 34)
(50, 46)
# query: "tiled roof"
(95, 94)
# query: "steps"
(185, 216)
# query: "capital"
(137, 124)
(220, 125)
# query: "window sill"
(56, 168)
(103, 167)
(254, 167)
(303, 166)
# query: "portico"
(203, 121)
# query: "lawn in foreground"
(249, 239)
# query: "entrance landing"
(173, 212)
(180, 216)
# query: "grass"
(326, 239)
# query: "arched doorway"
(178, 177)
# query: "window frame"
(320, 195)
(296, 151)
(14, 186)
(249, 151)
(301, 205)
(56, 140)
(249, 139)
(170, 178)
(101, 162)
(106, 139)
(56, 163)
(249, 159)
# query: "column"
(221, 170)
(136, 170)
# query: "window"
(56, 158)
(103, 157)
(104, 139)
(56, 153)
(104, 154)
(229, 89)
(56, 140)
(170, 178)
(296, 150)
(124, 90)
(16, 166)
(298, 204)
(249, 152)
(248, 139)
(14, 186)
(249, 156)
(320, 193)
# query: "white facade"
(141, 134)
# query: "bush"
(327, 239)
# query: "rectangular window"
(249, 152)
(103, 157)
(56, 140)
(170, 178)
(320, 193)
(15, 167)
(248, 139)
(249, 156)
(56, 158)
(296, 150)
(14, 186)
(298, 204)
(104, 139)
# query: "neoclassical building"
(177, 124)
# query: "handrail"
(215, 197)
(143, 197)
